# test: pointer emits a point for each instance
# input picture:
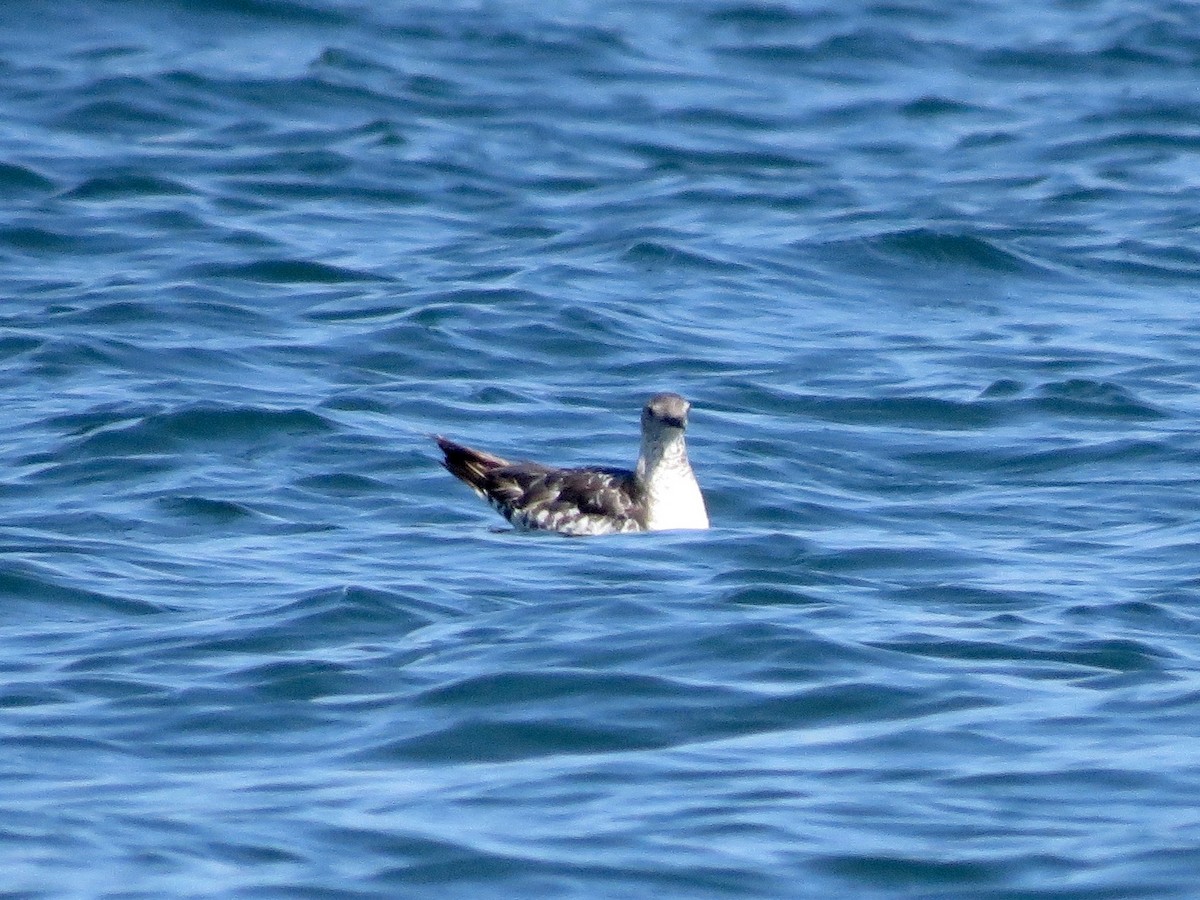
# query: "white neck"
(673, 498)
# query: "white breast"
(673, 500)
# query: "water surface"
(929, 275)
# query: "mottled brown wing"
(530, 495)
(574, 501)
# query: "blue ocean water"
(929, 273)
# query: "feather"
(661, 492)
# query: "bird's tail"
(468, 464)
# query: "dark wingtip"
(467, 463)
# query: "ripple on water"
(925, 274)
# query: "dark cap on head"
(668, 409)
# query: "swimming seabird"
(660, 493)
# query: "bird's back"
(582, 501)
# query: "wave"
(285, 271)
(22, 584)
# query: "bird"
(660, 493)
